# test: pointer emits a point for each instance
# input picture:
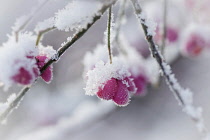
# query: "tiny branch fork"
(109, 33)
(178, 91)
(41, 33)
(60, 52)
(29, 19)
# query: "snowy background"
(155, 116)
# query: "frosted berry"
(172, 34)
(109, 90)
(47, 74)
(141, 84)
(23, 77)
(194, 45)
(122, 96)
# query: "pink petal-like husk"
(23, 77)
(122, 96)
(109, 90)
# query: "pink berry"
(141, 84)
(47, 74)
(109, 90)
(172, 34)
(195, 44)
(23, 77)
(122, 96)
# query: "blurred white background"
(156, 116)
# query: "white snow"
(99, 54)
(47, 51)
(132, 59)
(13, 56)
(76, 15)
(46, 24)
(150, 24)
(104, 72)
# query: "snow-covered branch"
(23, 21)
(56, 57)
(184, 96)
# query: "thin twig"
(153, 48)
(165, 9)
(60, 52)
(180, 93)
(41, 33)
(109, 34)
(14, 103)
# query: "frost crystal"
(47, 51)
(76, 15)
(151, 25)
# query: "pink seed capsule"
(47, 74)
(194, 46)
(122, 96)
(23, 77)
(172, 34)
(141, 84)
(109, 90)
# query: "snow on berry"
(194, 40)
(108, 82)
(79, 13)
(48, 51)
(17, 63)
(99, 54)
(137, 67)
(45, 54)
